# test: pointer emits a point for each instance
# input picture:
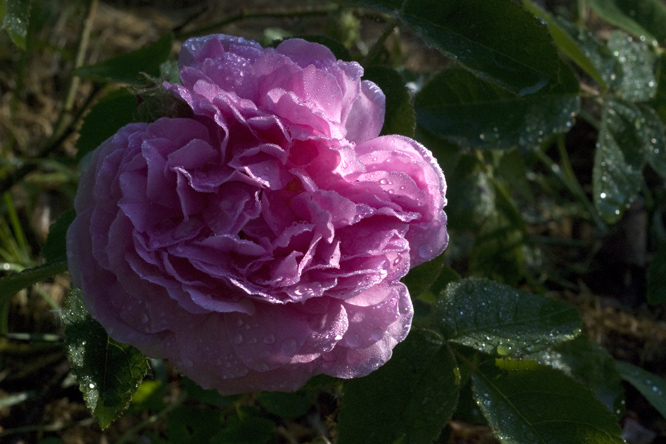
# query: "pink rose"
(262, 240)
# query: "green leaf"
(108, 372)
(651, 386)
(656, 277)
(247, 430)
(410, 398)
(485, 315)
(469, 111)
(498, 251)
(659, 101)
(105, 119)
(190, 424)
(566, 42)
(12, 284)
(284, 405)
(128, 68)
(637, 64)
(421, 277)
(645, 19)
(541, 405)
(590, 364)
(399, 117)
(15, 18)
(55, 248)
(623, 142)
(508, 47)
(468, 210)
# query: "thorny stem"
(248, 14)
(379, 44)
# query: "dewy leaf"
(469, 111)
(637, 64)
(651, 386)
(104, 119)
(645, 19)
(128, 68)
(590, 364)
(399, 117)
(656, 277)
(566, 42)
(10, 285)
(108, 372)
(15, 20)
(496, 39)
(55, 248)
(410, 398)
(659, 101)
(541, 405)
(620, 153)
(485, 315)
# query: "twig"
(379, 44)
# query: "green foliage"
(15, 18)
(399, 117)
(485, 315)
(107, 371)
(540, 404)
(13, 283)
(590, 364)
(470, 111)
(642, 18)
(409, 399)
(104, 119)
(131, 67)
(656, 278)
(516, 80)
(55, 248)
(650, 385)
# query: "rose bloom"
(260, 240)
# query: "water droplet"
(269, 339)
(425, 251)
(377, 334)
(289, 347)
(237, 339)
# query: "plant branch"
(379, 44)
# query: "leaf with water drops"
(651, 386)
(538, 404)
(589, 363)
(485, 315)
(637, 65)
(469, 111)
(645, 19)
(625, 138)
(107, 371)
(410, 398)
(15, 17)
(656, 277)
